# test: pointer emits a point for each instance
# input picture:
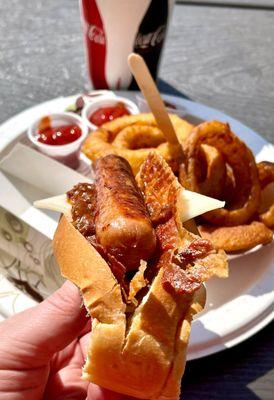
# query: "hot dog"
(122, 222)
(139, 336)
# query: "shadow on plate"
(245, 273)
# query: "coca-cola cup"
(115, 28)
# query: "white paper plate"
(237, 307)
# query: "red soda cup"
(115, 28)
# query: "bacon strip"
(186, 259)
(180, 276)
(83, 200)
(159, 187)
(178, 281)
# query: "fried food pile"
(214, 162)
(134, 137)
(220, 165)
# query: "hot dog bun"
(148, 360)
(142, 353)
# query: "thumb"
(37, 333)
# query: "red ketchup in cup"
(107, 108)
(59, 135)
(106, 114)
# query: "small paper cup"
(67, 154)
(105, 101)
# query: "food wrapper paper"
(28, 269)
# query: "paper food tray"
(26, 232)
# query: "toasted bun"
(143, 356)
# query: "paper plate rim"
(14, 126)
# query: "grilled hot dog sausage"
(122, 223)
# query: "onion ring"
(213, 184)
(229, 193)
(139, 136)
(266, 177)
(211, 173)
(266, 173)
(134, 137)
(240, 159)
(268, 217)
(237, 238)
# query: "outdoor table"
(220, 53)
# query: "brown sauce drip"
(83, 200)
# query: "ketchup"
(59, 135)
(106, 114)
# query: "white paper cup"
(67, 154)
(106, 101)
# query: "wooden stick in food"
(147, 85)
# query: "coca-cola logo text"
(150, 39)
(96, 35)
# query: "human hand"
(43, 349)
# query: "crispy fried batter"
(237, 238)
(156, 177)
(241, 160)
(159, 187)
(211, 172)
(214, 181)
(268, 217)
(266, 173)
(134, 137)
(266, 177)
(139, 137)
(229, 193)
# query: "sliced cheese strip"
(191, 204)
(56, 203)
